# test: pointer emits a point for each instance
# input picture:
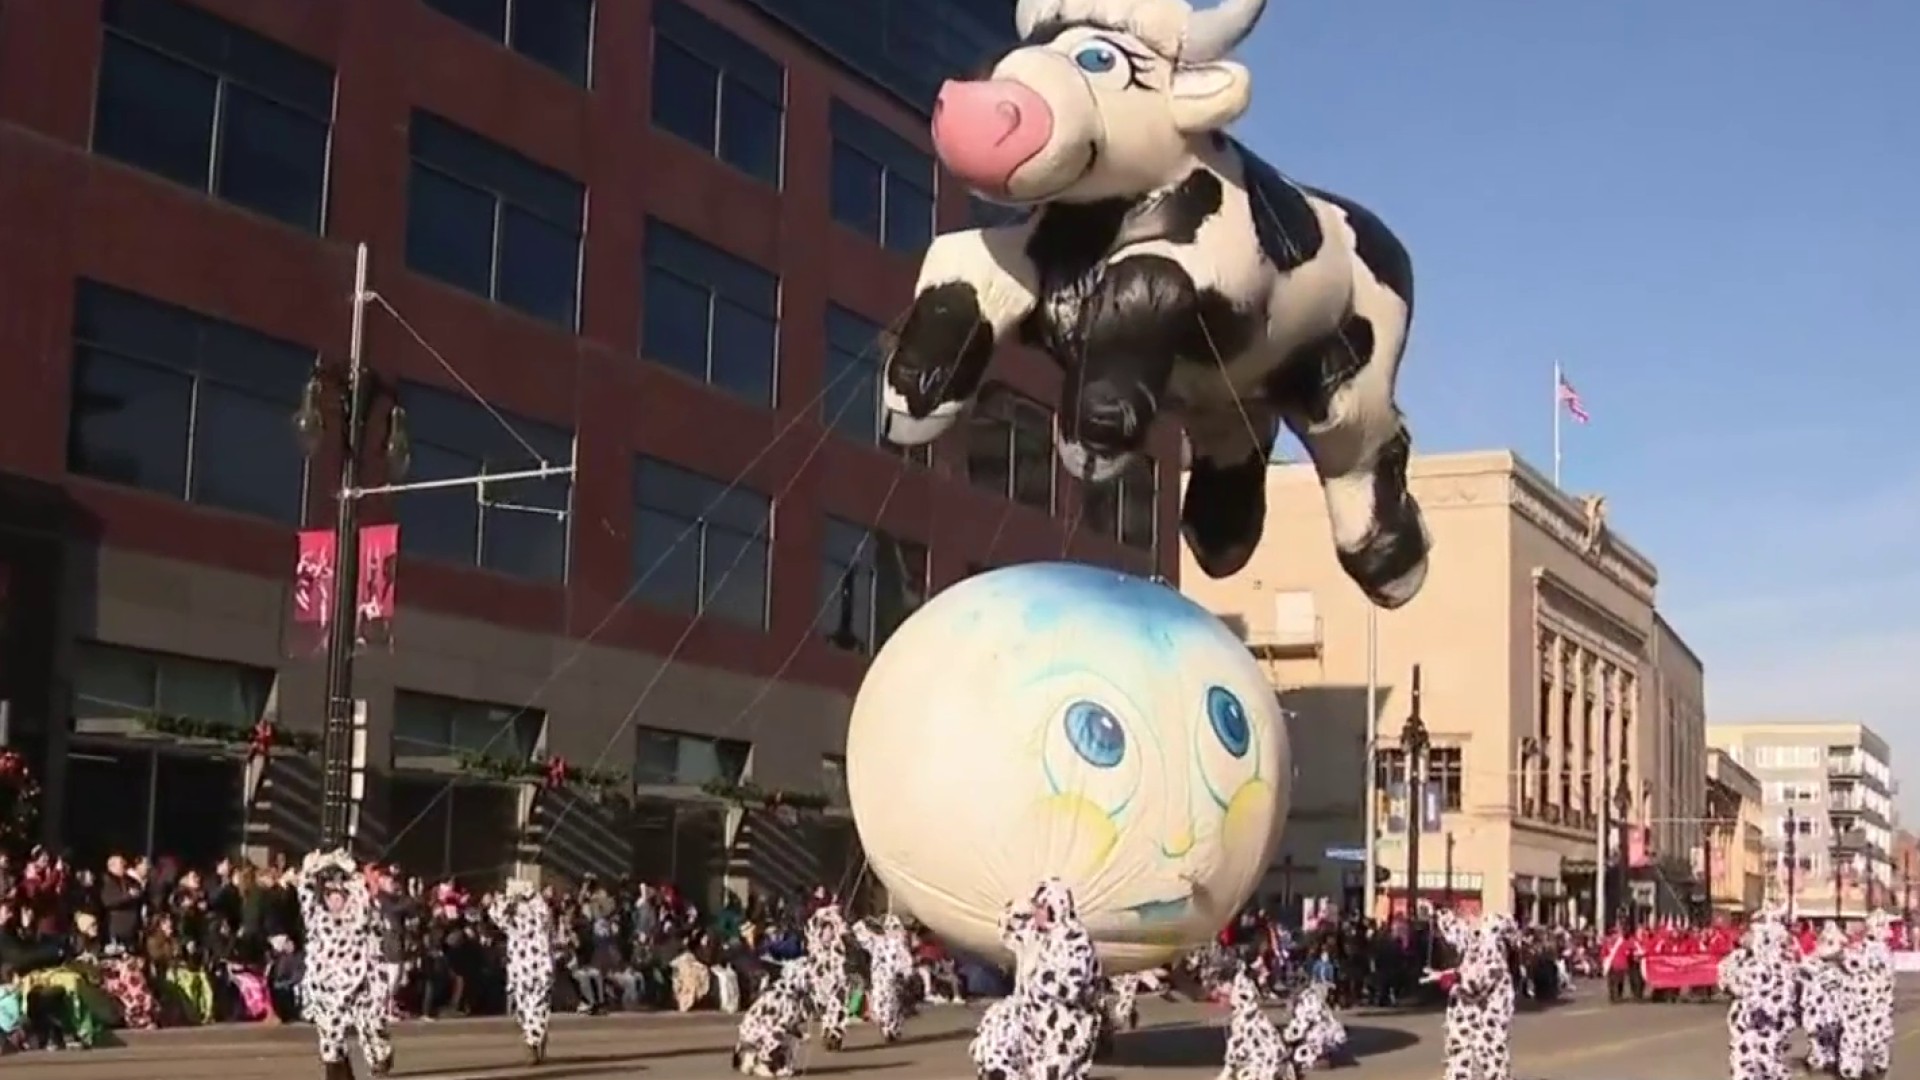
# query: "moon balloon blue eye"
(1229, 720)
(1095, 734)
(1097, 59)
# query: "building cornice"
(1567, 522)
(1561, 595)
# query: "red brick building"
(657, 238)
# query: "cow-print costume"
(826, 943)
(1314, 1033)
(340, 993)
(774, 1023)
(1123, 1010)
(1479, 1024)
(1823, 988)
(522, 914)
(998, 1048)
(1866, 1031)
(1256, 1049)
(1760, 976)
(889, 965)
(1060, 1003)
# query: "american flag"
(1570, 399)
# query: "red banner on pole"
(379, 561)
(313, 584)
(1637, 847)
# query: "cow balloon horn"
(1218, 30)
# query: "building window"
(1010, 447)
(431, 726)
(556, 34)
(869, 583)
(882, 184)
(181, 404)
(700, 545)
(671, 758)
(833, 780)
(1446, 767)
(1125, 509)
(202, 102)
(851, 402)
(484, 219)
(514, 527)
(711, 315)
(113, 684)
(717, 92)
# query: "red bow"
(557, 772)
(261, 743)
(12, 765)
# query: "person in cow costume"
(1480, 998)
(340, 994)
(1760, 976)
(1165, 267)
(523, 915)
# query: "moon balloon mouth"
(1162, 911)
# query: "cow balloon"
(1165, 267)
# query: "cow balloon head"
(1102, 98)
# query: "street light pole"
(1413, 746)
(1370, 804)
(336, 754)
(1623, 809)
(1793, 863)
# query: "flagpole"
(1557, 406)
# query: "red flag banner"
(1637, 855)
(1691, 971)
(379, 560)
(313, 582)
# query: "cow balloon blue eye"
(1095, 734)
(1229, 720)
(1097, 59)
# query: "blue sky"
(1709, 211)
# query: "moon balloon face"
(1053, 719)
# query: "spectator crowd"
(139, 944)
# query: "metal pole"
(337, 740)
(1446, 890)
(1557, 406)
(1706, 866)
(153, 801)
(1793, 881)
(1602, 866)
(1371, 864)
(1413, 748)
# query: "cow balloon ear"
(1208, 97)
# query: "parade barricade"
(1692, 971)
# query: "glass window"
(513, 527)
(701, 545)
(869, 583)
(557, 34)
(1124, 509)
(850, 401)
(718, 92)
(182, 404)
(906, 46)
(204, 103)
(711, 315)
(669, 757)
(882, 185)
(112, 682)
(1010, 447)
(429, 725)
(486, 220)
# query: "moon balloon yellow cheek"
(1249, 817)
(1076, 835)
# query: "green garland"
(518, 771)
(753, 797)
(226, 733)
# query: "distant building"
(1735, 840)
(1827, 788)
(1551, 685)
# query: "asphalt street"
(1583, 1039)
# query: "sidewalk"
(453, 1027)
